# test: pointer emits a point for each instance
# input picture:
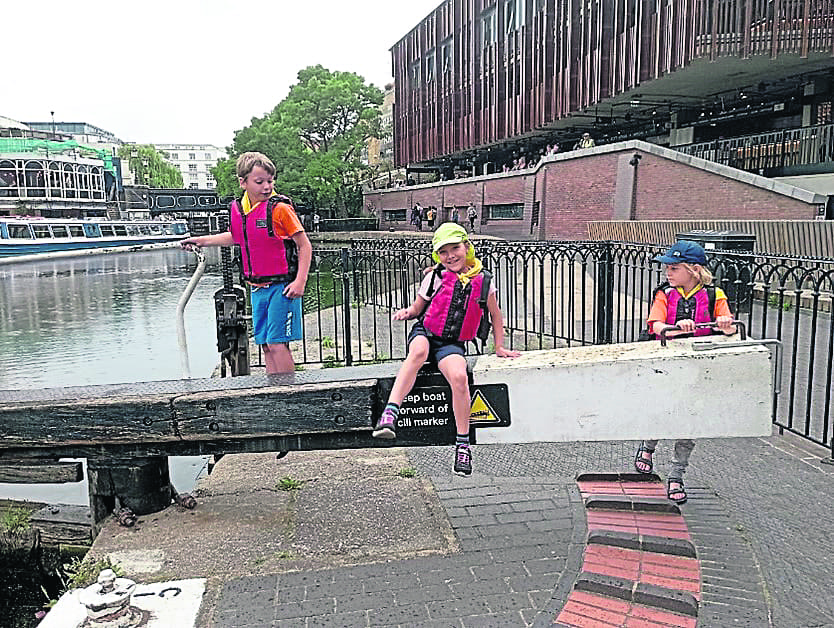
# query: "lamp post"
(52, 113)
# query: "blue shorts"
(275, 317)
(438, 347)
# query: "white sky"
(178, 71)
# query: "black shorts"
(438, 347)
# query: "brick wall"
(575, 190)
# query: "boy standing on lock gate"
(448, 310)
(276, 257)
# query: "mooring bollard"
(108, 603)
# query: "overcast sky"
(185, 71)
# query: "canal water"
(104, 319)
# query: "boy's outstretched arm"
(295, 289)
(412, 311)
(215, 239)
(498, 329)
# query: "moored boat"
(28, 235)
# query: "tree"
(149, 166)
(315, 138)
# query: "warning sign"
(481, 411)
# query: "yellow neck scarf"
(247, 204)
(468, 274)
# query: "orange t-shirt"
(660, 305)
(285, 222)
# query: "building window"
(193, 186)
(192, 156)
(208, 156)
(393, 215)
(192, 175)
(446, 57)
(510, 211)
(174, 156)
(488, 27)
(430, 66)
(513, 15)
(415, 75)
(192, 167)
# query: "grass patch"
(284, 555)
(327, 342)
(15, 520)
(407, 472)
(288, 483)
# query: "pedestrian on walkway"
(455, 285)
(687, 301)
(471, 214)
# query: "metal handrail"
(186, 295)
(739, 324)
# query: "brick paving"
(760, 530)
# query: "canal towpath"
(359, 543)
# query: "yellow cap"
(448, 233)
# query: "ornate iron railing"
(577, 293)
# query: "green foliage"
(315, 138)
(773, 299)
(787, 306)
(327, 342)
(149, 166)
(15, 520)
(407, 472)
(82, 573)
(330, 362)
(288, 483)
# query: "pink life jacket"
(267, 258)
(700, 307)
(455, 311)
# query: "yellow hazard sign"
(481, 411)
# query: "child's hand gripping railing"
(186, 295)
(739, 325)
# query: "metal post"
(346, 273)
(604, 296)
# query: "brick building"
(482, 83)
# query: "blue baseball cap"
(683, 252)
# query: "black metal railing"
(578, 293)
(774, 151)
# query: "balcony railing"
(771, 152)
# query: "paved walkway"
(758, 516)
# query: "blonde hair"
(247, 162)
(701, 272)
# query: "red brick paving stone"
(635, 489)
(579, 621)
(611, 603)
(664, 618)
(654, 524)
(645, 567)
(594, 612)
(583, 610)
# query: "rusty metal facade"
(476, 72)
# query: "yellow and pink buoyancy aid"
(699, 307)
(267, 258)
(455, 310)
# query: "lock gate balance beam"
(602, 392)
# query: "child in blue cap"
(685, 301)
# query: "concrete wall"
(632, 391)
(600, 183)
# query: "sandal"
(677, 495)
(639, 459)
